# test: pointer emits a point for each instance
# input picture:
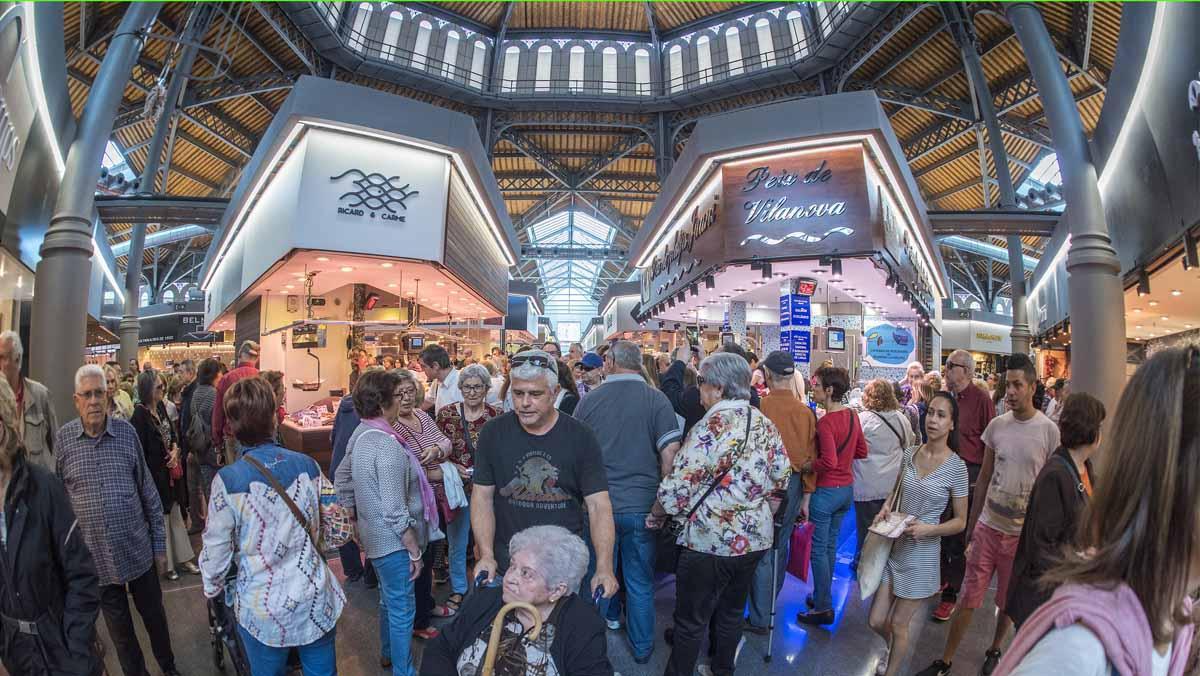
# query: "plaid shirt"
(114, 498)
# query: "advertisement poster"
(890, 343)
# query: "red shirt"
(839, 429)
(975, 411)
(218, 415)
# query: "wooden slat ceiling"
(204, 163)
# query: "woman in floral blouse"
(732, 528)
(461, 424)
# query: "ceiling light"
(1191, 259)
(1138, 327)
(758, 282)
(323, 259)
(289, 286)
(1143, 285)
(386, 265)
(1137, 310)
(710, 282)
(819, 271)
(439, 284)
(766, 270)
(1164, 318)
(1176, 292)
(346, 268)
(424, 300)
(695, 289)
(739, 291)
(837, 268)
(1187, 326)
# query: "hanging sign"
(890, 343)
(795, 310)
(798, 343)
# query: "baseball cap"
(780, 363)
(537, 358)
(591, 360)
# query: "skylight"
(569, 284)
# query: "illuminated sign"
(379, 194)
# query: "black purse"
(666, 548)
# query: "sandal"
(444, 611)
(454, 601)
(426, 634)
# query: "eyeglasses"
(700, 380)
(406, 393)
(471, 388)
(536, 360)
(92, 394)
(950, 365)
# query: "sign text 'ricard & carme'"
(376, 196)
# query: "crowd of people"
(568, 483)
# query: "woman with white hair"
(547, 565)
(461, 423)
(732, 459)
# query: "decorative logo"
(378, 193)
(802, 236)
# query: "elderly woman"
(547, 565)
(381, 478)
(913, 375)
(161, 448)
(888, 434)
(461, 424)
(120, 404)
(732, 459)
(285, 595)
(47, 577)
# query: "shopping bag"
(875, 552)
(800, 552)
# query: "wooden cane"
(493, 646)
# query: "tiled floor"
(846, 648)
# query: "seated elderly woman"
(285, 595)
(547, 565)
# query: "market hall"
(592, 337)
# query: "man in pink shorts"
(1016, 445)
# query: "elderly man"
(592, 372)
(36, 421)
(101, 464)
(639, 437)
(535, 467)
(435, 361)
(247, 367)
(975, 411)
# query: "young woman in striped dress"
(933, 475)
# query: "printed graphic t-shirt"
(1020, 448)
(539, 480)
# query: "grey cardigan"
(377, 479)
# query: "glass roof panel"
(568, 284)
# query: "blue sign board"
(890, 344)
(797, 342)
(795, 310)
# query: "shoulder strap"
(282, 493)
(720, 477)
(850, 434)
(899, 437)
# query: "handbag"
(800, 551)
(667, 543)
(876, 547)
(336, 530)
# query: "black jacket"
(155, 449)
(580, 647)
(1054, 507)
(46, 577)
(185, 418)
(686, 401)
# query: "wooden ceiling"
(214, 140)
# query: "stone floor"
(846, 648)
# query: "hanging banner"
(889, 343)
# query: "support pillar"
(964, 35)
(737, 321)
(59, 330)
(1093, 281)
(129, 327)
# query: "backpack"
(199, 433)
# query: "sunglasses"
(536, 360)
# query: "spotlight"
(766, 270)
(662, 325)
(710, 282)
(1191, 259)
(695, 289)
(837, 268)
(676, 326)
(891, 280)
(681, 297)
(1143, 285)
(671, 302)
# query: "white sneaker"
(882, 666)
(738, 651)
(613, 625)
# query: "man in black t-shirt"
(535, 466)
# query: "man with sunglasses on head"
(535, 466)
(975, 411)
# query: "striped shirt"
(114, 498)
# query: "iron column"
(129, 327)
(964, 35)
(1093, 281)
(63, 276)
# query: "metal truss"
(935, 137)
(574, 253)
(538, 154)
(909, 51)
(292, 37)
(620, 149)
(621, 185)
(215, 91)
(572, 118)
(911, 98)
(879, 36)
(222, 128)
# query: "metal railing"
(782, 56)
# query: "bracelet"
(411, 558)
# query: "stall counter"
(310, 431)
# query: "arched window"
(512, 61)
(450, 56)
(110, 297)
(733, 45)
(477, 64)
(704, 58)
(144, 298)
(975, 305)
(362, 19)
(421, 48)
(575, 69)
(675, 67)
(641, 71)
(391, 36)
(999, 308)
(608, 70)
(766, 46)
(168, 296)
(541, 75)
(826, 16)
(796, 29)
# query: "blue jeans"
(635, 551)
(458, 534)
(318, 658)
(827, 508)
(397, 607)
(761, 593)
